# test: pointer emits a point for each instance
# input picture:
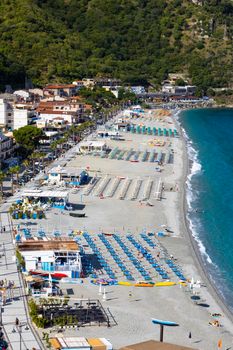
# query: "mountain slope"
(58, 40)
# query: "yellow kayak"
(144, 284)
(164, 284)
(123, 283)
(183, 283)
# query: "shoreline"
(188, 236)
(105, 215)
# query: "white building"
(138, 89)
(78, 83)
(56, 117)
(14, 115)
(185, 90)
(55, 256)
(168, 88)
(22, 94)
(113, 89)
(22, 114)
(5, 113)
(6, 147)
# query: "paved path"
(16, 303)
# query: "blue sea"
(209, 134)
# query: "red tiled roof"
(88, 107)
(49, 111)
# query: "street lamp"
(19, 328)
(1, 305)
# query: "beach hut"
(152, 157)
(149, 130)
(154, 131)
(159, 157)
(143, 129)
(138, 130)
(132, 129)
(168, 157)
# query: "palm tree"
(17, 171)
(12, 171)
(53, 147)
(26, 163)
(42, 156)
(33, 157)
(2, 178)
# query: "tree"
(53, 147)
(17, 171)
(2, 178)
(33, 157)
(26, 163)
(180, 82)
(12, 171)
(28, 137)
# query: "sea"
(209, 136)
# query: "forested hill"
(58, 40)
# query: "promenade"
(20, 337)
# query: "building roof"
(45, 194)
(53, 244)
(155, 345)
(61, 112)
(61, 86)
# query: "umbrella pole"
(161, 333)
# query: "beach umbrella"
(162, 324)
(100, 289)
(104, 295)
(191, 283)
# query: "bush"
(20, 259)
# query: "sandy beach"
(140, 211)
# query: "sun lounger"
(125, 188)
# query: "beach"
(109, 210)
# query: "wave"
(191, 194)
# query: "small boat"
(78, 215)
(124, 283)
(144, 284)
(183, 283)
(165, 284)
(54, 275)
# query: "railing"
(67, 268)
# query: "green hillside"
(135, 40)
